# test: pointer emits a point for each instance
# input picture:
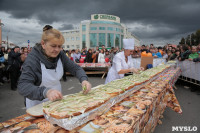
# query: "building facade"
(102, 29)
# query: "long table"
(140, 112)
(95, 68)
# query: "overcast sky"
(153, 21)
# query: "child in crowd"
(194, 53)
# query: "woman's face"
(25, 50)
(52, 48)
(128, 52)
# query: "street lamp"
(1, 24)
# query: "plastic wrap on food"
(71, 123)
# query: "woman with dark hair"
(89, 56)
(44, 67)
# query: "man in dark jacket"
(15, 64)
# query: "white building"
(102, 29)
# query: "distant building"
(10, 45)
(102, 29)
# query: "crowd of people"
(11, 60)
(168, 52)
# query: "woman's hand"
(141, 69)
(53, 95)
(134, 70)
(86, 86)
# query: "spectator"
(83, 55)
(151, 46)
(103, 47)
(1, 73)
(194, 53)
(184, 53)
(136, 52)
(175, 55)
(165, 55)
(97, 48)
(160, 50)
(156, 54)
(143, 48)
(198, 49)
(85, 49)
(76, 56)
(95, 56)
(89, 56)
(112, 55)
(15, 62)
(107, 55)
(147, 48)
(25, 51)
(101, 57)
(72, 53)
(169, 53)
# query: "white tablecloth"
(190, 69)
(156, 62)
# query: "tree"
(182, 41)
(197, 37)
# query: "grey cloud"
(66, 27)
(167, 18)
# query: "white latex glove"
(86, 86)
(53, 95)
(134, 70)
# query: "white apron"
(119, 63)
(50, 79)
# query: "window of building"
(105, 22)
(122, 30)
(110, 28)
(72, 46)
(93, 39)
(117, 40)
(77, 38)
(118, 30)
(77, 46)
(102, 39)
(68, 39)
(122, 41)
(110, 40)
(83, 41)
(72, 38)
(93, 28)
(67, 46)
(83, 27)
(102, 28)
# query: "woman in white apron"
(122, 62)
(44, 67)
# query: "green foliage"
(192, 39)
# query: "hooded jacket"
(30, 79)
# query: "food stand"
(140, 111)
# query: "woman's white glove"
(53, 95)
(86, 86)
(134, 70)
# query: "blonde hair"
(50, 34)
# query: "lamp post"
(1, 24)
